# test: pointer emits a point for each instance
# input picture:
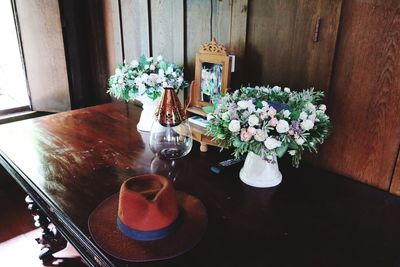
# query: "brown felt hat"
(148, 220)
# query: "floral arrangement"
(270, 121)
(146, 76)
(210, 82)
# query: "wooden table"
(69, 162)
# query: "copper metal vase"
(169, 112)
(170, 135)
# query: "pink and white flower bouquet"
(270, 121)
(145, 77)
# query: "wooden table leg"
(51, 240)
(203, 147)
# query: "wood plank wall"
(176, 29)
(364, 100)
(354, 57)
(281, 49)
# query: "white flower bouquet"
(270, 121)
(146, 76)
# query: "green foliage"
(145, 76)
(269, 121)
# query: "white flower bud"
(322, 107)
(299, 141)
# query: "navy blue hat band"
(149, 235)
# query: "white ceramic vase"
(147, 115)
(261, 173)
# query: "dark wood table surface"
(70, 162)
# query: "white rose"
(282, 126)
(286, 113)
(322, 107)
(152, 67)
(312, 117)
(179, 81)
(299, 141)
(286, 89)
(260, 135)
(276, 88)
(264, 103)
(307, 125)
(234, 126)
(144, 77)
(310, 106)
(271, 143)
(169, 70)
(253, 120)
(134, 63)
(225, 116)
(159, 58)
(303, 116)
(138, 81)
(242, 104)
(142, 89)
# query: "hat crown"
(147, 203)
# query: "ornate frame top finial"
(213, 47)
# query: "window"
(13, 87)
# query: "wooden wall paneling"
(365, 93)
(113, 36)
(269, 41)
(313, 45)
(86, 51)
(198, 31)
(395, 183)
(221, 21)
(44, 54)
(135, 28)
(280, 47)
(238, 40)
(98, 52)
(167, 26)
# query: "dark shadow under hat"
(114, 228)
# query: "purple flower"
(295, 127)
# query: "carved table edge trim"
(64, 225)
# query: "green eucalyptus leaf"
(280, 151)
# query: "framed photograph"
(212, 75)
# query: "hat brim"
(104, 230)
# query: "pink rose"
(291, 132)
(252, 131)
(273, 122)
(271, 112)
(244, 135)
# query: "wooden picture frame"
(212, 59)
